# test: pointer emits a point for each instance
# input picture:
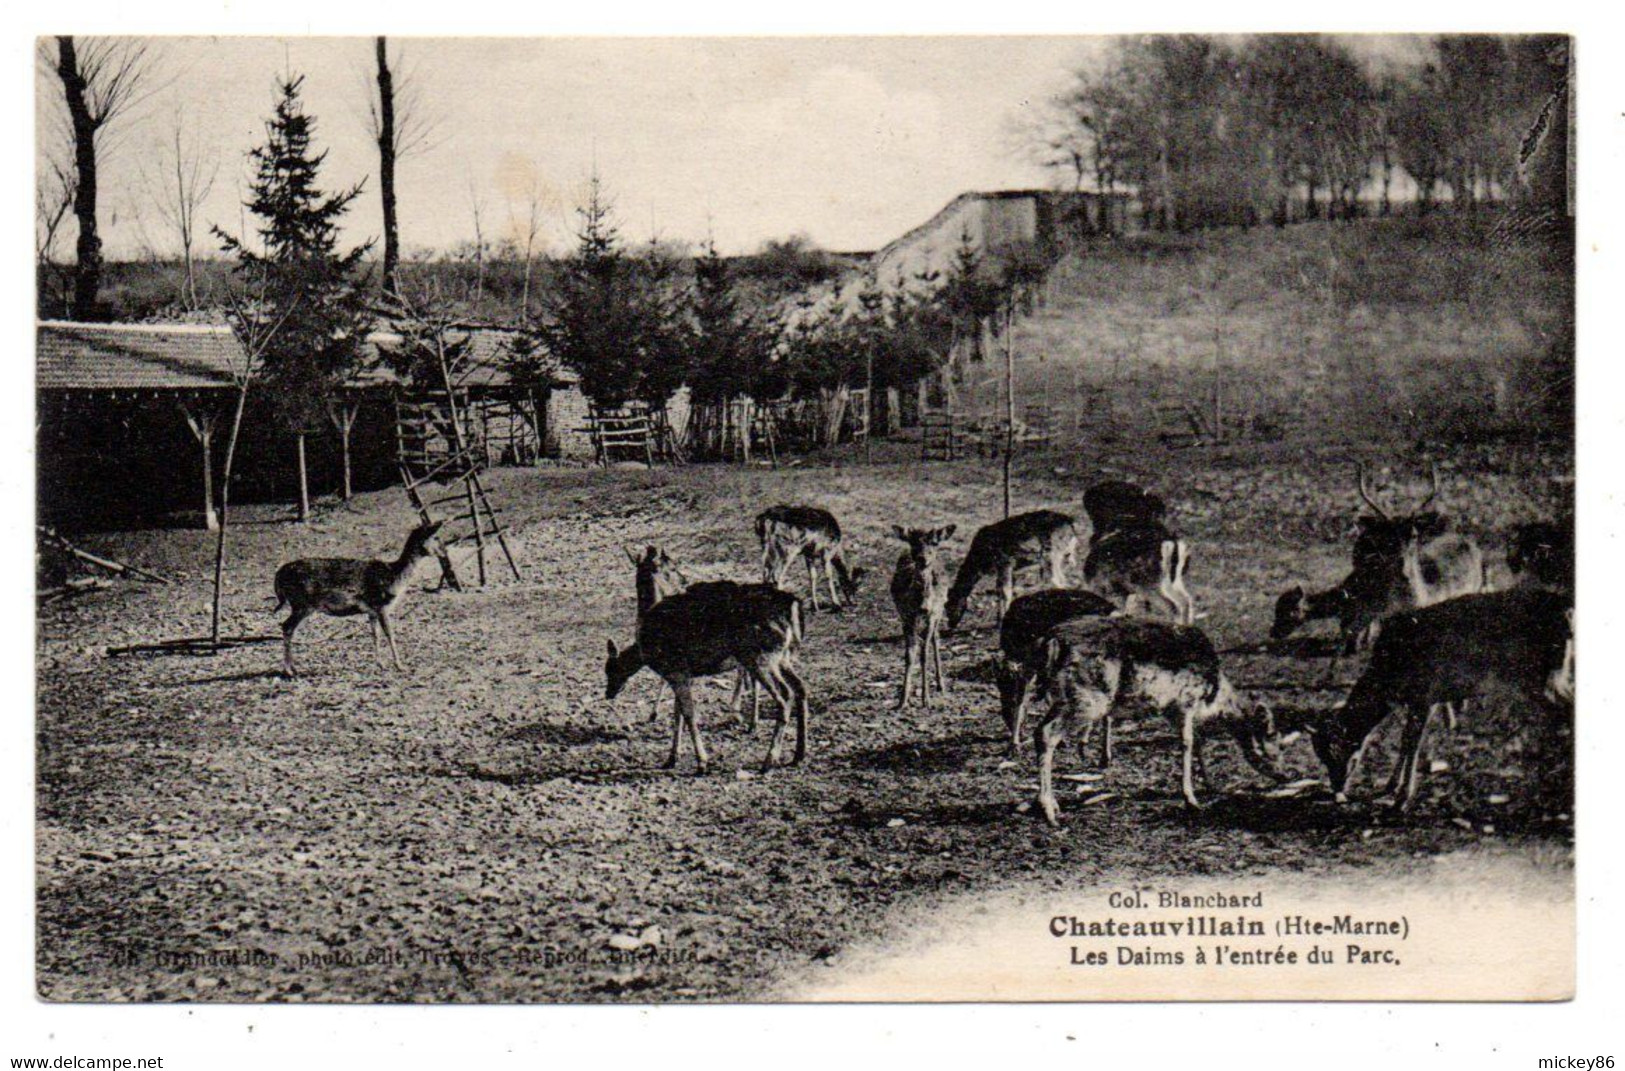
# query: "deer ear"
(897, 530)
(631, 556)
(946, 533)
(613, 653)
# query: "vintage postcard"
(820, 519)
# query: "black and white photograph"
(805, 519)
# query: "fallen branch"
(50, 536)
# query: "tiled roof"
(70, 356)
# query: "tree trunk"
(304, 482)
(225, 502)
(386, 167)
(87, 273)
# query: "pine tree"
(592, 320)
(315, 291)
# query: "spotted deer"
(1377, 583)
(1040, 539)
(920, 593)
(1021, 652)
(1134, 558)
(1094, 667)
(345, 587)
(1518, 641)
(785, 531)
(702, 631)
(656, 577)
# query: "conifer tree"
(316, 292)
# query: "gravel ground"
(487, 828)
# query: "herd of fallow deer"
(1125, 643)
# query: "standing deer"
(918, 592)
(1027, 540)
(345, 587)
(1134, 558)
(1377, 584)
(1021, 634)
(700, 632)
(658, 577)
(1095, 666)
(785, 531)
(1518, 640)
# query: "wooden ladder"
(462, 469)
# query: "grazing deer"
(700, 632)
(1133, 557)
(1028, 620)
(1542, 553)
(1142, 567)
(1027, 540)
(918, 592)
(1520, 640)
(785, 531)
(1377, 584)
(658, 577)
(344, 587)
(1095, 666)
(1115, 504)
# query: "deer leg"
(289, 627)
(1012, 702)
(799, 688)
(812, 581)
(1007, 588)
(1105, 742)
(1187, 739)
(776, 680)
(908, 666)
(1049, 736)
(389, 634)
(679, 687)
(1416, 727)
(1201, 766)
(686, 698)
(936, 657)
(829, 579)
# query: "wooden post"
(1009, 397)
(343, 413)
(304, 482)
(202, 423)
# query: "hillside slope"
(1405, 327)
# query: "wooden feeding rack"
(625, 433)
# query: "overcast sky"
(849, 140)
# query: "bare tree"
(53, 197)
(528, 228)
(476, 202)
(401, 126)
(103, 79)
(183, 182)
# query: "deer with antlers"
(1446, 565)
